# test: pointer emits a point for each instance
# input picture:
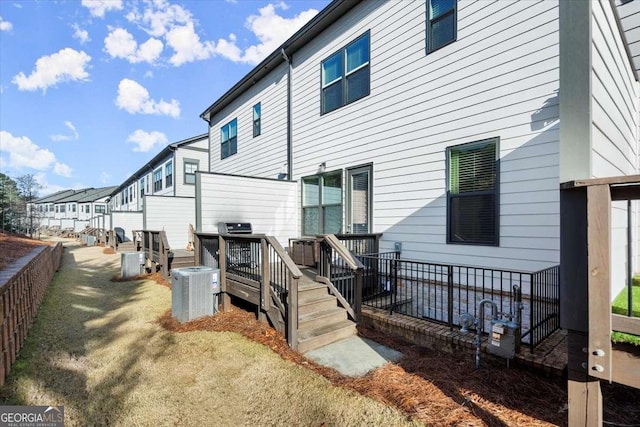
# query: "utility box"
(302, 252)
(131, 264)
(194, 292)
(504, 338)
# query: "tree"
(10, 200)
(28, 188)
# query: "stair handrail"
(353, 308)
(270, 293)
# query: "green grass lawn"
(619, 306)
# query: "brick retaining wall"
(23, 284)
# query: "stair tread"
(325, 329)
(315, 299)
(322, 313)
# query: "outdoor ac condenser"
(131, 264)
(194, 292)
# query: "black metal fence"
(443, 293)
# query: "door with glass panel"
(359, 200)
(322, 203)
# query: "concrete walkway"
(354, 356)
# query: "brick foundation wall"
(23, 285)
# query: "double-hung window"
(229, 139)
(190, 169)
(168, 171)
(322, 203)
(345, 75)
(257, 116)
(141, 188)
(472, 193)
(441, 23)
(100, 209)
(157, 180)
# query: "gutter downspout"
(289, 124)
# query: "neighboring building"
(436, 123)
(161, 194)
(68, 208)
(45, 206)
(170, 173)
(94, 202)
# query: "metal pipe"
(479, 322)
(629, 261)
(289, 114)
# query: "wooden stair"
(181, 258)
(126, 247)
(321, 320)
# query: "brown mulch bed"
(13, 247)
(437, 388)
(109, 251)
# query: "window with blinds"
(472, 193)
(441, 23)
(359, 213)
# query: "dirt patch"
(109, 251)
(13, 247)
(433, 387)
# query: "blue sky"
(90, 90)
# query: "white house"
(445, 125)
(161, 194)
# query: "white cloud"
(148, 74)
(105, 177)
(5, 25)
(119, 43)
(160, 16)
(72, 128)
(65, 65)
(60, 137)
(187, 45)
(46, 187)
(80, 34)
(271, 31)
(134, 98)
(25, 154)
(62, 170)
(145, 141)
(63, 137)
(98, 8)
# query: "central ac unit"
(194, 292)
(131, 264)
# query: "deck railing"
(255, 268)
(443, 293)
(156, 248)
(342, 273)
(361, 243)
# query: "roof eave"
(327, 16)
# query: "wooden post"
(292, 314)
(265, 283)
(197, 257)
(585, 398)
(357, 303)
(222, 262)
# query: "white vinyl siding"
(271, 206)
(615, 110)
(171, 214)
(263, 156)
(499, 79)
(194, 151)
(128, 221)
